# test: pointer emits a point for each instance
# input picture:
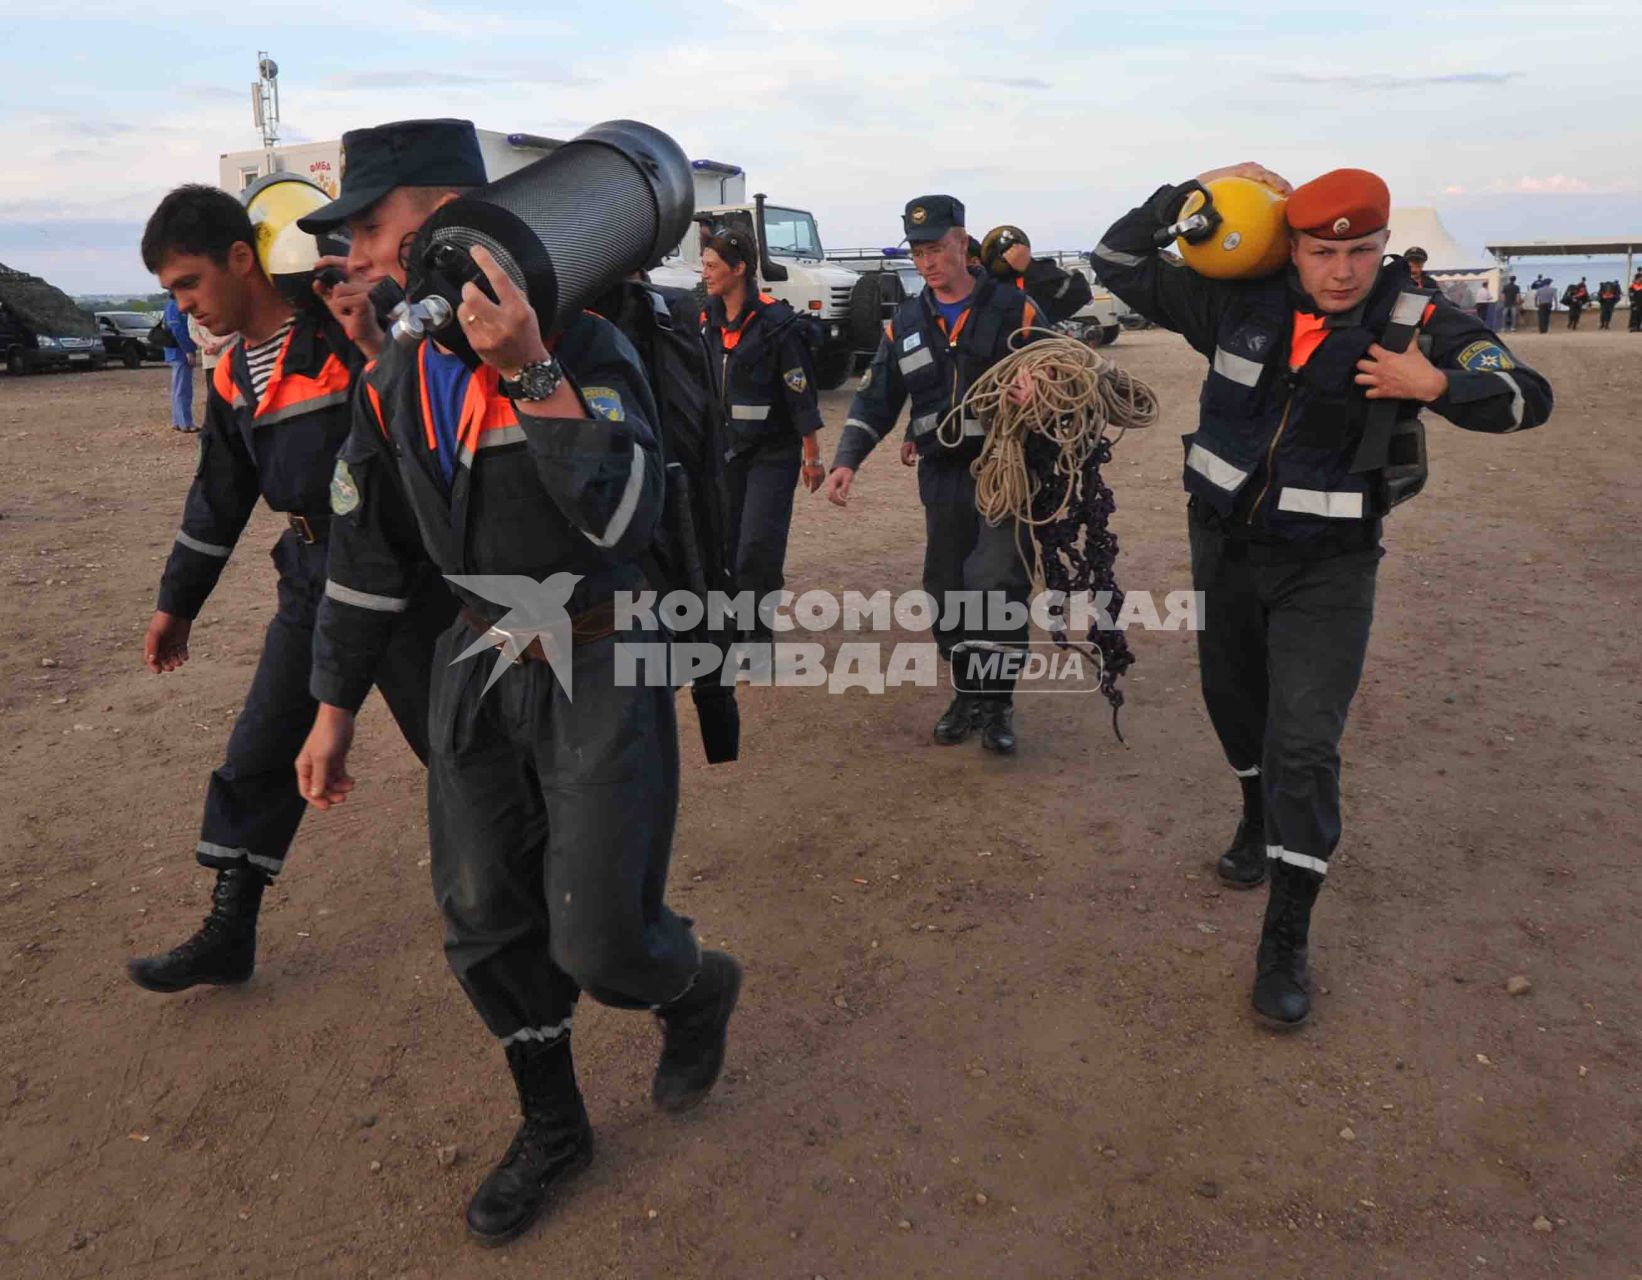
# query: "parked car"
(41, 328)
(127, 336)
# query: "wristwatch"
(537, 381)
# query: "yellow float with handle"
(1231, 229)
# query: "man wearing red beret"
(1308, 434)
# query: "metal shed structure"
(1597, 248)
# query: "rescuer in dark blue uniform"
(933, 350)
(1307, 436)
(276, 415)
(764, 380)
(535, 482)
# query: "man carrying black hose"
(534, 478)
(932, 352)
(1307, 435)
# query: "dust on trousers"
(964, 553)
(1281, 654)
(551, 819)
(252, 804)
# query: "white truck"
(321, 162)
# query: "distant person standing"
(1636, 302)
(1545, 303)
(1607, 298)
(1511, 295)
(181, 358)
(1484, 301)
(1576, 297)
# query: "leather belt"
(596, 624)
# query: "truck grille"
(841, 299)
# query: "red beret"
(1343, 204)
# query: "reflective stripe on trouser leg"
(252, 803)
(1318, 622)
(552, 822)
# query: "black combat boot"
(1243, 865)
(224, 951)
(1281, 980)
(694, 1030)
(958, 720)
(554, 1141)
(997, 721)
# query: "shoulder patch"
(866, 379)
(1485, 356)
(604, 402)
(796, 380)
(344, 492)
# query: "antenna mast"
(265, 102)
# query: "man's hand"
(909, 453)
(504, 334)
(838, 486)
(1248, 169)
(350, 303)
(813, 474)
(165, 647)
(1408, 375)
(322, 765)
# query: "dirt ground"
(996, 1017)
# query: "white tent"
(1460, 271)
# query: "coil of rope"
(1040, 467)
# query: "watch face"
(539, 381)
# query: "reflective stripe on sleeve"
(856, 422)
(1321, 502)
(1106, 253)
(1215, 468)
(364, 599)
(1251, 772)
(628, 505)
(204, 548)
(1244, 372)
(1516, 399)
(750, 412)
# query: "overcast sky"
(1516, 120)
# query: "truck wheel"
(873, 293)
(15, 364)
(132, 356)
(832, 367)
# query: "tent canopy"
(44, 307)
(1568, 248)
(1420, 225)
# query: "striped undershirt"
(262, 357)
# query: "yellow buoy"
(1251, 238)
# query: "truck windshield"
(791, 233)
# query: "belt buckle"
(301, 527)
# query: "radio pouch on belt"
(1393, 449)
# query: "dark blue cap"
(931, 217)
(406, 153)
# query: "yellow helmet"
(288, 253)
(1248, 239)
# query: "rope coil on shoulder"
(1051, 408)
